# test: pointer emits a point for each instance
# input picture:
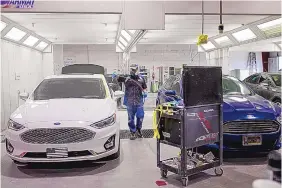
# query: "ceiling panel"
(70, 28)
(184, 29)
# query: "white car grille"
(57, 136)
(239, 127)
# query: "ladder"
(252, 63)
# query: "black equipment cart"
(197, 123)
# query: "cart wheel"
(218, 171)
(184, 181)
(164, 173)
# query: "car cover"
(83, 69)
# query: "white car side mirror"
(24, 96)
(118, 94)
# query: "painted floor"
(136, 168)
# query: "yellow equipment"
(202, 39)
(157, 113)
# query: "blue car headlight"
(279, 119)
(105, 123)
(14, 125)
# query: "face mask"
(132, 72)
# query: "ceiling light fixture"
(121, 46)
(223, 40)
(42, 45)
(15, 34)
(3, 25)
(30, 41)
(271, 28)
(270, 24)
(208, 46)
(244, 35)
(123, 41)
(126, 35)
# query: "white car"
(66, 118)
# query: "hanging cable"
(220, 27)
(220, 17)
(202, 39)
(203, 17)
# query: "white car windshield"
(232, 86)
(59, 88)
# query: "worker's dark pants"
(133, 111)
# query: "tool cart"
(196, 124)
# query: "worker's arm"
(121, 79)
(144, 86)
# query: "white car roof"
(75, 76)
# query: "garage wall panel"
(58, 58)
(47, 64)
(166, 55)
(103, 55)
(21, 71)
(238, 60)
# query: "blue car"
(250, 122)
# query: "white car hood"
(90, 110)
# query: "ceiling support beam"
(253, 27)
(135, 40)
(255, 7)
(11, 24)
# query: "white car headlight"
(105, 123)
(14, 125)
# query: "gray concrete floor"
(136, 168)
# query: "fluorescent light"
(208, 46)
(15, 34)
(121, 46)
(244, 35)
(272, 23)
(42, 45)
(30, 41)
(126, 35)
(223, 40)
(271, 28)
(132, 31)
(3, 25)
(123, 41)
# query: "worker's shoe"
(139, 133)
(132, 136)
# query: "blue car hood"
(239, 107)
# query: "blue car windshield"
(232, 86)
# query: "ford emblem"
(251, 116)
(57, 123)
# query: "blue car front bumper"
(234, 142)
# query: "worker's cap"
(134, 67)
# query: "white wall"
(175, 55)
(238, 60)
(104, 55)
(47, 64)
(27, 65)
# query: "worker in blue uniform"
(134, 98)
